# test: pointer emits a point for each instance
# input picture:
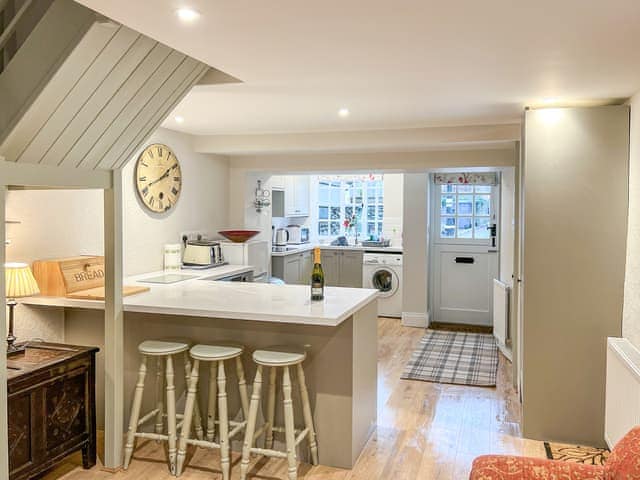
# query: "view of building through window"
(351, 206)
(465, 211)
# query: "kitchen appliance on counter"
(253, 252)
(297, 235)
(202, 254)
(280, 237)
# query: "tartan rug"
(461, 358)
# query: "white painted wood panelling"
(109, 95)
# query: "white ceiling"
(393, 63)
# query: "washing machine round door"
(385, 281)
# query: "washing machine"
(383, 271)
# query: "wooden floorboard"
(425, 430)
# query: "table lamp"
(19, 283)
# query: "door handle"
(464, 259)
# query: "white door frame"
(434, 234)
(35, 176)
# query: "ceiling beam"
(411, 139)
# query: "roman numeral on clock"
(142, 179)
(152, 201)
(145, 191)
(174, 190)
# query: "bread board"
(98, 293)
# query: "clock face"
(158, 178)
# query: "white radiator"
(501, 315)
(622, 408)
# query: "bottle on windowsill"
(317, 277)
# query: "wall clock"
(158, 178)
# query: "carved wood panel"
(65, 406)
(20, 426)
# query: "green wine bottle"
(317, 277)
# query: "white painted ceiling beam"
(379, 161)
(482, 136)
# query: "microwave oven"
(297, 235)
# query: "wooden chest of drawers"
(51, 390)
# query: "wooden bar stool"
(164, 352)
(216, 355)
(278, 357)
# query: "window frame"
(347, 198)
(437, 214)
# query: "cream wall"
(202, 205)
(59, 223)
(415, 236)
(631, 313)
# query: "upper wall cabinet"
(296, 196)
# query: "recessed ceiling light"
(179, 119)
(343, 112)
(187, 14)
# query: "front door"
(464, 253)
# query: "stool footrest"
(281, 430)
(269, 453)
(151, 436)
(237, 428)
(202, 443)
(301, 436)
(148, 417)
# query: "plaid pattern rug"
(455, 357)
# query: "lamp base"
(15, 349)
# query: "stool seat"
(158, 347)
(279, 356)
(215, 352)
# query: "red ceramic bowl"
(239, 236)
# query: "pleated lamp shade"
(19, 280)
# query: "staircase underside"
(85, 92)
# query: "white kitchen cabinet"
(296, 196)
(342, 268)
(277, 182)
(294, 268)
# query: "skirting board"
(413, 319)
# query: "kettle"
(281, 237)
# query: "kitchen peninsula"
(339, 335)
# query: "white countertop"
(309, 246)
(235, 300)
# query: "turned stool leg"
(188, 415)
(251, 423)
(171, 414)
(135, 412)
(271, 408)
(212, 402)
(289, 429)
(196, 412)
(224, 421)
(308, 419)
(159, 427)
(242, 386)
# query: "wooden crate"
(75, 277)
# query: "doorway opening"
(464, 248)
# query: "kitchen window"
(347, 206)
(465, 211)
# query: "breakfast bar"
(339, 335)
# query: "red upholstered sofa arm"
(502, 467)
